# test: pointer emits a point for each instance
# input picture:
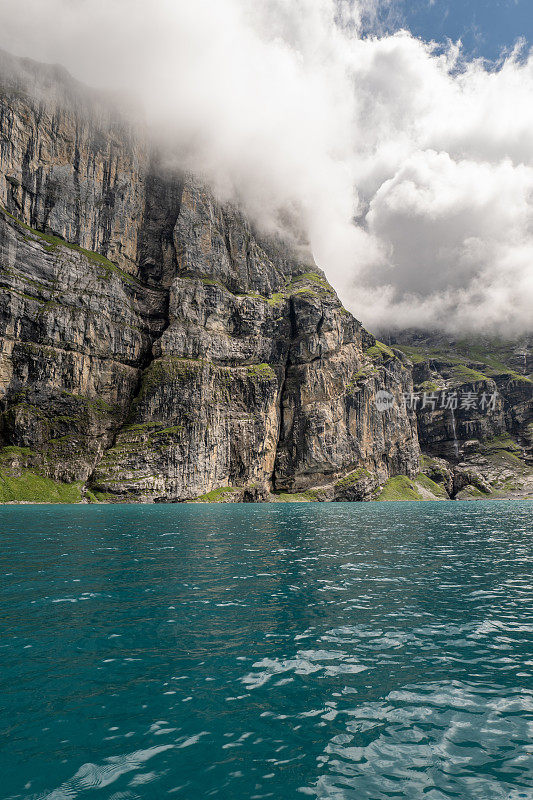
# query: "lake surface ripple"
(342, 651)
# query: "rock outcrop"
(155, 347)
(481, 443)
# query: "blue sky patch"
(486, 27)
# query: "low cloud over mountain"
(408, 168)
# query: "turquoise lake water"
(359, 651)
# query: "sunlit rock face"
(155, 347)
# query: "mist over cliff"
(157, 346)
(408, 168)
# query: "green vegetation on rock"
(276, 299)
(261, 372)
(468, 360)
(31, 487)
(353, 477)
(379, 352)
(462, 374)
(362, 374)
(502, 442)
(428, 386)
(401, 487)
(470, 493)
(220, 495)
(8, 454)
(434, 469)
(103, 497)
(500, 449)
(424, 482)
(168, 369)
(91, 497)
(51, 243)
(309, 496)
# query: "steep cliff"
(155, 346)
(478, 439)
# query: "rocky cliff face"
(70, 163)
(478, 439)
(154, 346)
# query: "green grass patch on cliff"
(463, 374)
(416, 354)
(353, 477)
(261, 372)
(103, 497)
(276, 299)
(361, 375)
(94, 404)
(30, 487)
(401, 487)
(11, 452)
(25, 296)
(169, 431)
(293, 497)
(168, 369)
(310, 283)
(379, 352)
(502, 448)
(428, 386)
(315, 282)
(451, 367)
(470, 361)
(434, 469)
(56, 241)
(503, 442)
(220, 495)
(425, 482)
(141, 428)
(307, 496)
(470, 493)
(51, 243)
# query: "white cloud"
(283, 108)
